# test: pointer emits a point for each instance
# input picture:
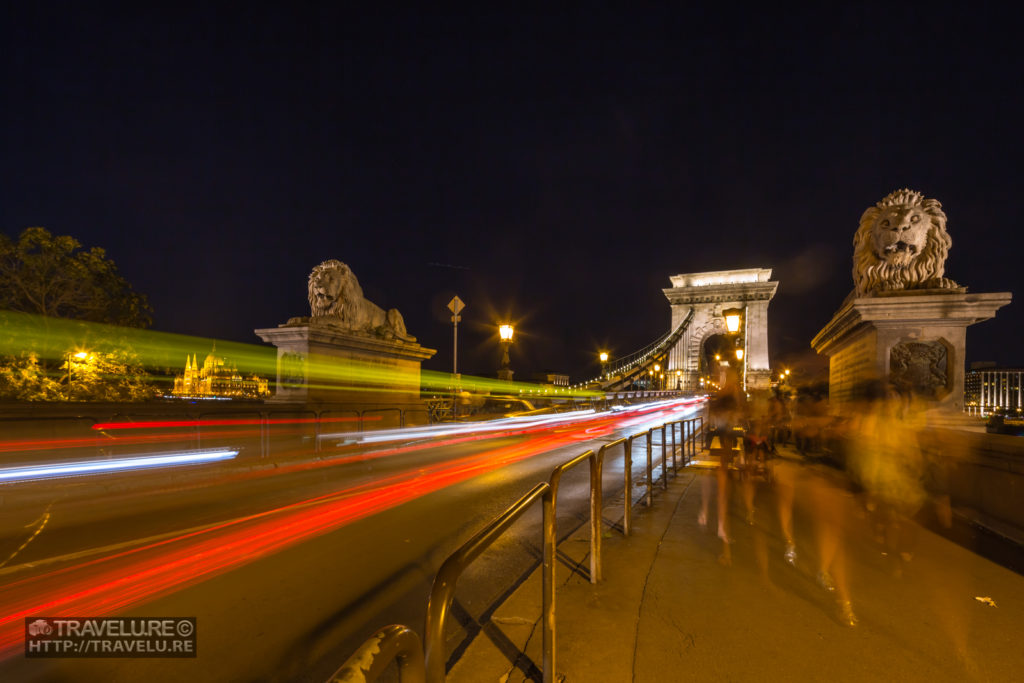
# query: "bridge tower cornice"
(710, 294)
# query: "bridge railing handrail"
(443, 590)
(635, 359)
(626, 360)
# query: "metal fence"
(372, 658)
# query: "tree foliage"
(54, 276)
(114, 376)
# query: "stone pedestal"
(914, 339)
(321, 362)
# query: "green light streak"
(55, 339)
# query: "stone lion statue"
(334, 293)
(901, 243)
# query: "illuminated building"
(554, 379)
(217, 379)
(988, 388)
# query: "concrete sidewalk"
(668, 609)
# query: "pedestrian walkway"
(669, 609)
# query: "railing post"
(664, 461)
(264, 435)
(675, 463)
(596, 462)
(627, 513)
(317, 429)
(650, 481)
(683, 447)
(548, 585)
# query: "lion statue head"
(901, 243)
(326, 283)
(334, 293)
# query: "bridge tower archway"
(709, 295)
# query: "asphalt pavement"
(673, 606)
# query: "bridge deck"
(670, 609)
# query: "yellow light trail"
(53, 339)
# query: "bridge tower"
(709, 294)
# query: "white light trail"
(58, 470)
(460, 428)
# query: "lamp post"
(81, 355)
(505, 331)
(604, 364)
(743, 368)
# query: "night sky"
(553, 169)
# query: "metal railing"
(442, 592)
(394, 643)
(628, 477)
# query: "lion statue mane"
(901, 243)
(335, 294)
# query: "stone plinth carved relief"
(335, 297)
(901, 243)
(920, 367)
(292, 370)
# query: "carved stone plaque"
(920, 367)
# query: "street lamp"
(505, 331)
(735, 323)
(604, 363)
(81, 356)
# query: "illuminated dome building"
(217, 379)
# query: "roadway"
(287, 565)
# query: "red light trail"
(105, 585)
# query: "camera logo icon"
(40, 627)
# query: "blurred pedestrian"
(726, 411)
(887, 463)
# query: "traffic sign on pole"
(455, 306)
